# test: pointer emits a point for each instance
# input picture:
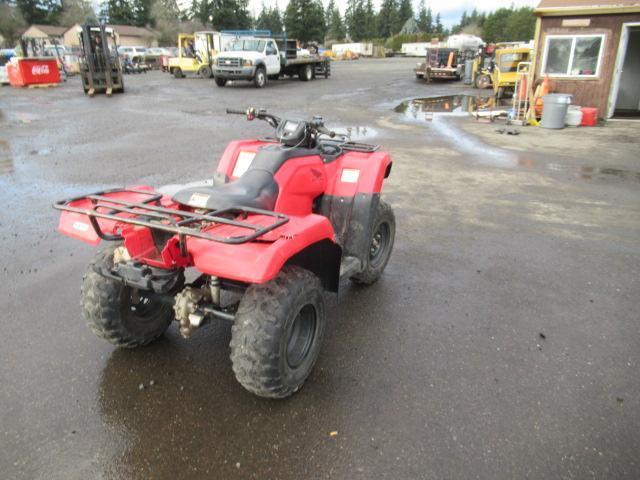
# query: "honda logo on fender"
(40, 70)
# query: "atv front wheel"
(381, 244)
(122, 315)
(276, 336)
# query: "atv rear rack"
(150, 214)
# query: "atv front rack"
(150, 214)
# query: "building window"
(572, 55)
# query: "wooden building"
(591, 50)
(49, 33)
(128, 36)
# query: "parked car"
(157, 51)
(131, 52)
(5, 56)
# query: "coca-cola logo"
(40, 70)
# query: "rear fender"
(260, 261)
(323, 259)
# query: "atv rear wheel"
(381, 244)
(276, 336)
(122, 315)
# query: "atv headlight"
(247, 63)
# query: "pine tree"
(405, 11)
(270, 19)
(424, 18)
(388, 19)
(370, 21)
(429, 21)
(354, 20)
(119, 12)
(39, 11)
(142, 12)
(439, 29)
(335, 26)
(304, 20)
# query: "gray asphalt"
(502, 342)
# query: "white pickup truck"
(262, 59)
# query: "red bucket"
(589, 117)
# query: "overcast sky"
(450, 10)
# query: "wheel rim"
(301, 336)
(143, 303)
(308, 72)
(379, 244)
(260, 78)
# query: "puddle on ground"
(424, 108)
(355, 134)
(23, 117)
(6, 160)
(433, 108)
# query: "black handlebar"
(261, 114)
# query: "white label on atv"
(81, 227)
(243, 162)
(198, 200)
(350, 175)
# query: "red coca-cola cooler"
(32, 71)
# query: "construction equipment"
(196, 54)
(442, 64)
(100, 68)
(497, 67)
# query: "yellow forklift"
(497, 65)
(196, 54)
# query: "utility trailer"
(262, 58)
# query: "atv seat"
(255, 189)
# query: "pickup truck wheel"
(205, 72)
(306, 73)
(177, 73)
(221, 82)
(381, 244)
(122, 315)
(260, 78)
(276, 336)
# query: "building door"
(628, 97)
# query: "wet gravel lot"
(502, 342)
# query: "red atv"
(284, 219)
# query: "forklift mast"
(100, 69)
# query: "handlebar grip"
(236, 112)
(326, 131)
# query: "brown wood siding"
(587, 92)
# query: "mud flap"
(352, 219)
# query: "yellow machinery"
(196, 54)
(500, 71)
